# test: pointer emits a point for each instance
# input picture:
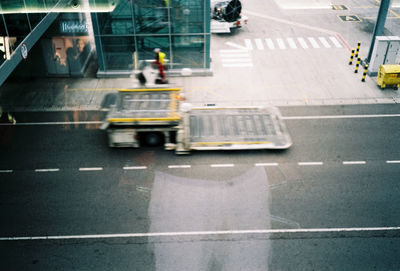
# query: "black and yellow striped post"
(357, 65)
(351, 57)
(358, 49)
(364, 73)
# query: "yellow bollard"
(364, 73)
(357, 65)
(358, 49)
(351, 57)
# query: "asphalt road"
(332, 197)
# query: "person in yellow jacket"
(159, 61)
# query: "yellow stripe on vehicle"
(143, 119)
(150, 89)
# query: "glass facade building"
(124, 32)
(131, 32)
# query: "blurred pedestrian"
(159, 62)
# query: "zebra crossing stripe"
(270, 44)
(259, 44)
(292, 44)
(303, 43)
(238, 65)
(313, 42)
(324, 42)
(236, 45)
(281, 44)
(233, 51)
(335, 42)
(225, 60)
(234, 55)
(248, 44)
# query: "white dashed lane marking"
(134, 167)
(222, 165)
(179, 166)
(310, 163)
(90, 168)
(393, 162)
(266, 164)
(47, 170)
(260, 164)
(354, 162)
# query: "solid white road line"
(47, 170)
(354, 162)
(179, 166)
(303, 43)
(6, 170)
(90, 168)
(270, 44)
(313, 42)
(222, 165)
(266, 164)
(341, 117)
(53, 123)
(393, 161)
(246, 64)
(204, 233)
(134, 167)
(336, 42)
(310, 163)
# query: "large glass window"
(12, 6)
(177, 27)
(17, 25)
(2, 27)
(187, 16)
(119, 21)
(147, 44)
(151, 16)
(35, 18)
(188, 51)
(118, 52)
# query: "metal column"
(379, 26)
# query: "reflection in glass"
(118, 52)
(181, 204)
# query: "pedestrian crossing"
(235, 58)
(288, 43)
(239, 53)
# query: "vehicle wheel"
(153, 139)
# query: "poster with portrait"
(70, 55)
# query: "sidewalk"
(301, 77)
